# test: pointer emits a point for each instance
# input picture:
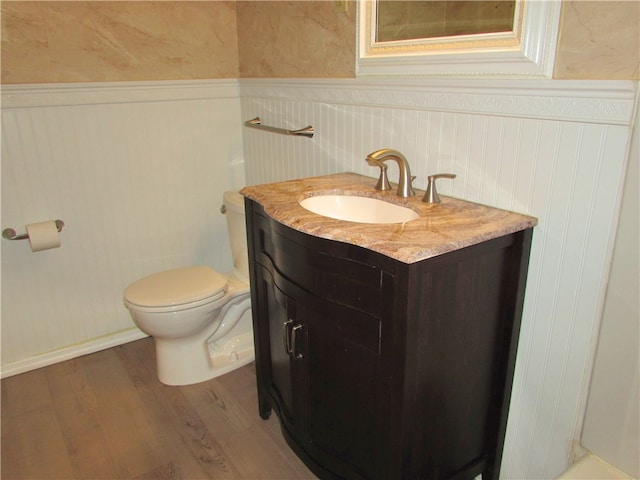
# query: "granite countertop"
(440, 228)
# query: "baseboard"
(70, 352)
(592, 467)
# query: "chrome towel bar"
(10, 233)
(303, 132)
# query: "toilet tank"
(233, 203)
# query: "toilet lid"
(176, 287)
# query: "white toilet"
(200, 319)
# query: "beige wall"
(95, 41)
(313, 39)
(119, 41)
(599, 40)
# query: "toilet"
(199, 319)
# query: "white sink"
(358, 209)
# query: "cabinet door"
(323, 375)
(340, 384)
(275, 331)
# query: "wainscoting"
(136, 171)
(556, 150)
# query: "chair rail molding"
(592, 101)
(61, 94)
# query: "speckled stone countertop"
(440, 228)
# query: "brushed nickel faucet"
(378, 159)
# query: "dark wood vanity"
(382, 369)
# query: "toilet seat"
(180, 286)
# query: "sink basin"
(358, 209)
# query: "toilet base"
(180, 362)
(183, 365)
(235, 353)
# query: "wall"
(46, 42)
(89, 41)
(599, 40)
(136, 172)
(312, 39)
(612, 420)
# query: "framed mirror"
(509, 38)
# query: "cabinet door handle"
(286, 336)
(294, 332)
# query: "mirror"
(414, 19)
(444, 38)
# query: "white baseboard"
(72, 351)
(592, 467)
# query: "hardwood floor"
(106, 416)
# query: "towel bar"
(303, 132)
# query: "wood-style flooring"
(106, 416)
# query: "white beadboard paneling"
(137, 174)
(612, 419)
(552, 149)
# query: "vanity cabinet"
(380, 369)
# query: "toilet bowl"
(200, 319)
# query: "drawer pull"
(294, 341)
(286, 336)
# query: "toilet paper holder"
(10, 233)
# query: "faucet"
(431, 195)
(377, 159)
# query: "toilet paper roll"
(43, 236)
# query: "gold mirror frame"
(527, 51)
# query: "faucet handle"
(431, 195)
(383, 180)
(411, 190)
